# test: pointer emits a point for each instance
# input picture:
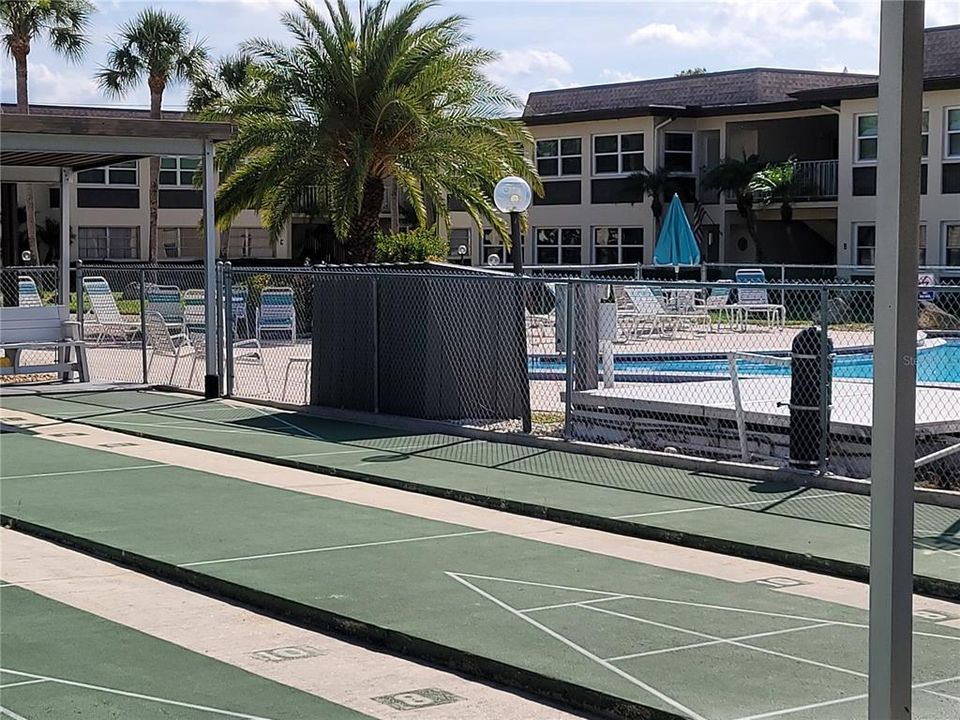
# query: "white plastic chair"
(756, 301)
(28, 295)
(165, 344)
(104, 311)
(276, 313)
(245, 352)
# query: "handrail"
(732, 358)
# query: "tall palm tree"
(733, 175)
(353, 102)
(64, 22)
(156, 47)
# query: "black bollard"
(807, 423)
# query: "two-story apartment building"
(589, 140)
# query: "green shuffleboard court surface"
(807, 527)
(684, 644)
(59, 662)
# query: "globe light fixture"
(513, 195)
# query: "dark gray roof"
(733, 91)
(87, 111)
(941, 69)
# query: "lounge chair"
(276, 313)
(165, 300)
(717, 305)
(163, 343)
(194, 311)
(245, 352)
(104, 312)
(756, 301)
(646, 306)
(27, 293)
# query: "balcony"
(815, 181)
(314, 201)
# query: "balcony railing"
(815, 180)
(314, 201)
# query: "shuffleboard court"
(59, 662)
(807, 527)
(681, 643)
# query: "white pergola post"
(66, 199)
(211, 385)
(895, 352)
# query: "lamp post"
(513, 195)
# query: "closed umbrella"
(676, 245)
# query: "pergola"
(51, 148)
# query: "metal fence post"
(78, 282)
(825, 380)
(228, 325)
(569, 358)
(376, 347)
(143, 325)
(221, 332)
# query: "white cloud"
(65, 85)
(618, 76)
(942, 12)
(671, 35)
(526, 62)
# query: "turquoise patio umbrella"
(676, 245)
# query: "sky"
(543, 44)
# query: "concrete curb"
(560, 693)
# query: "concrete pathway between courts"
(103, 638)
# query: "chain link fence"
(776, 373)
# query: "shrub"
(416, 245)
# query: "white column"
(212, 382)
(66, 199)
(894, 384)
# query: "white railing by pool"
(737, 401)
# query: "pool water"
(937, 363)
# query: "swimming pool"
(937, 362)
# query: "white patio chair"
(756, 301)
(104, 312)
(245, 352)
(276, 313)
(717, 305)
(164, 344)
(194, 311)
(27, 293)
(165, 300)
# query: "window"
(553, 246)
(458, 237)
(678, 152)
(865, 244)
(952, 131)
(249, 242)
(181, 242)
(107, 243)
(178, 171)
(556, 157)
(493, 245)
(866, 138)
(951, 244)
(616, 154)
(124, 173)
(615, 245)
(922, 246)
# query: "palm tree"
(155, 46)
(777, 182)
(653, 185)
(352, 103)
(734, 176)
(64, 22)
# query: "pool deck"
(764, 401)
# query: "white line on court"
(84, 472)
(583, 651)
(828, 703)
(934, 548)
(766, 501)
(22, 682)
(724, 641)
(334, 547)
(717, 642)
(746, 611)
(10, 713)
(292, 426)
(942, 694)
(572, 604)
(138, 696)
